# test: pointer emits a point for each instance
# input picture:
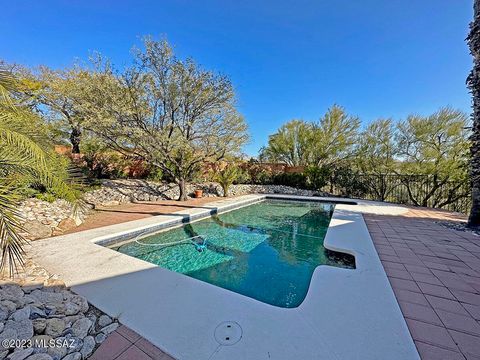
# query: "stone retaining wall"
(114, 192)
(42, 219)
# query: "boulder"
(66, 224)
(37, 230)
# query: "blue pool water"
(267, 251)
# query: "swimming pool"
(267, 251)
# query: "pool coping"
(362, 315)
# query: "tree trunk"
(183, 191)
(473, 83)
(75, 137)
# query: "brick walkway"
(435, 274)
(125, 344)
(104, 216)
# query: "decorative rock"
(71, 308)
(39, 326)
(57, 352)
(37, 230)
(11, 292)
(81, 302)
(8, 306)
(100, 338)
(69, 320)
(55, 327)
(73, 356)
(22, 314)
(36, 313)
(20, 354)
(93, 319)
(76, 346)
(66, 224)
(109, 329)
(81, 327)
(8, 334)
(23, 328)
(47, 297)
(104, 320)
(32, 286)
(3, 315)
(41, 356)
(39, 340)
(88, 346)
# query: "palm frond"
(11, 242)
(7, 84)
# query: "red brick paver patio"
(110, 215)
(435, 275)
(125, 344)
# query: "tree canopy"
(169, 112)
(330, 140)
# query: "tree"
(376, 156)
(58, 95)
(291, 144)
(170, 113)
(326, 143)
(334, 137)
(437, 146)
(473, 82)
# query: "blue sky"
(287, 59)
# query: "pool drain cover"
(228, 333)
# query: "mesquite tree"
(473, 82)
(168, 112)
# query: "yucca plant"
(24, 153)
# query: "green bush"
(296, 180)
(227, 176)
(317, 177)
(348, 183)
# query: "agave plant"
(24, 152)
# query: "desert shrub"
(296, 180)
(317, 177)
(226, 177)
(155, 174)
(348, 183)
(102, 163)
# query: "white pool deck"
(347, 314)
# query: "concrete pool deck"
(347, 314)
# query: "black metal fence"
(418, 190)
